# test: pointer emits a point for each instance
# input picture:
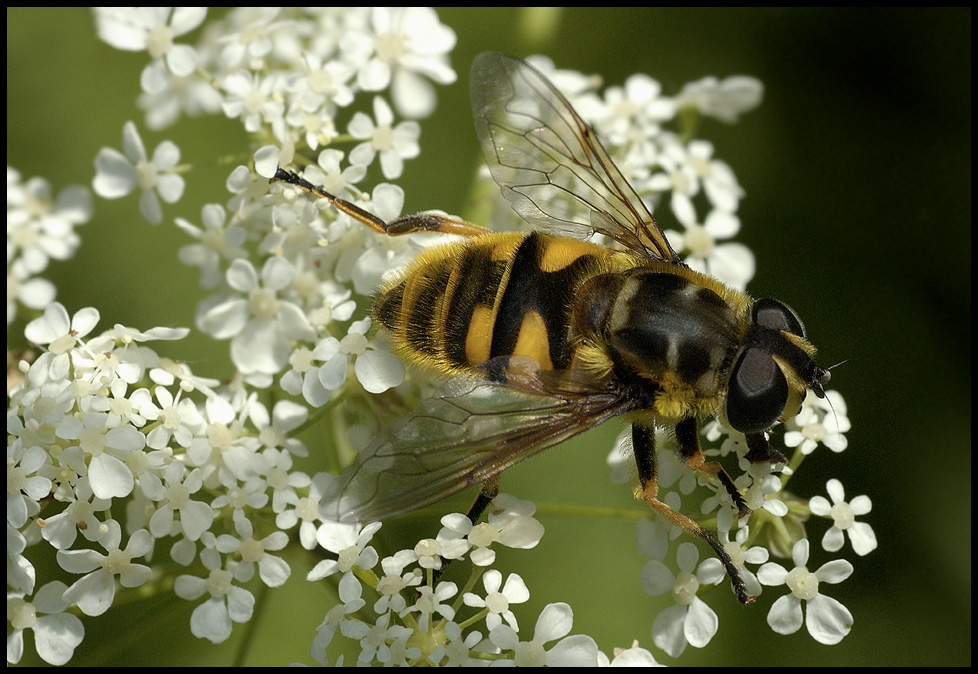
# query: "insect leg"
(761, 450)
(419, 222)
(689, 451)
(488, 491)
(643, 444)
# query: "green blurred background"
(857, 169)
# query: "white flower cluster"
(133, 468)
(416, 621)
(39, 228)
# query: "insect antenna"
(820, 391)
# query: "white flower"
(718, 179)
(21, 575)
(275, 430)
(218, 240)
(689, 620)
(227, 602)
(430, 602)
(33, 293)
(655, 534)
(844, 516)
(228, 456)
(321, 82)
(59, 332)
(167, 372)
(305, 511)
(62, 529)
(41, 408)
(106, 450)
(828, 621)
(41, 228)
(514, 528)
(429, 552)
(377, 640)
(272, 570)
(455, 651)
(631, 114)
(513, 519)
(351, 600)
(152, 29)
(303, 377)
(26, 485)
(261, 323)
(764, 489)
(349, 543)
(382, 253)
(401, 47)
(255, 101)
(95, 592)
(56, 633)
(196, 516)
(740, 557)
(375, 368)
(117, 174)
(394, 144)
(179, 419)
(497, 601)
(555, 623)
(724, 100)
(732, 263)
(820, 421)
(329, 174)
(317, 126)
(248, 38)
(573, 84)
(394, 580)
(192, 95)
(282, 480)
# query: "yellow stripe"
(504, 245)
(532, 340)
(558, 253)
(478, 341)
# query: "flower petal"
(701, 624)
(785, 616)
(555, 621)
(828, 621)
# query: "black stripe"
(475, 275)
(423, 298)
(387, 307)
(550, 294)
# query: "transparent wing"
(469, 431)
(548, 162)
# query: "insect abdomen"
(460, 305)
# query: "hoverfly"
(544, 335)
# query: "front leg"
(687, 436)
(643, 444)
(761, 450)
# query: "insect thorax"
(669, 328)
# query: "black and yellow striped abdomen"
(460, 305)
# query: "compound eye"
(757, 393)
(772, 314)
